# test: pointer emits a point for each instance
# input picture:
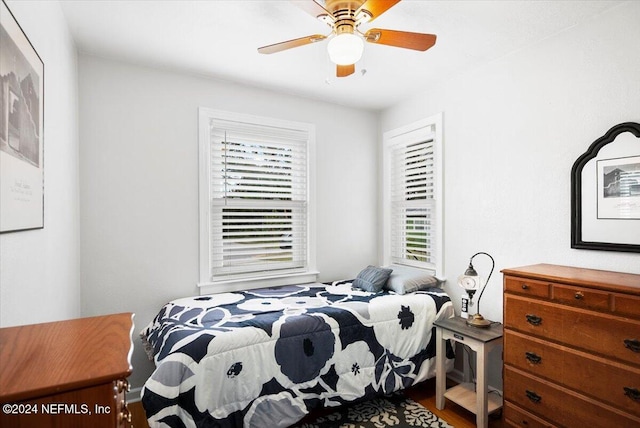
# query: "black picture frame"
(21, 128)
(577, 187)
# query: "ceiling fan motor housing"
(344, 15)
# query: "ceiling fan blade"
(277, 47)
(401, 39)
(316, 10)
(345, 70)
(375, 8)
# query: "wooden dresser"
(571, 347)
(67, 374)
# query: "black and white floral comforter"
(266, 357)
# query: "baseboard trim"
(133, 396)
(456, 375)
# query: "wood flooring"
(424, 393)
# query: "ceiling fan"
(346, 41)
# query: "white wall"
(40, 269)
(512, 131)
(139, 184)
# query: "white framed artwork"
(21, 129)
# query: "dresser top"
(42, 359)
(608, 280)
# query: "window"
(413, 195)
(255, 195)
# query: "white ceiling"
(220, 38)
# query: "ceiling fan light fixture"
(345, 49)
(346, 40)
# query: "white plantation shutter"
(413, 201)
(258, 197)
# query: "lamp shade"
(471, 283)
(345, 49)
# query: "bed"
(267, 357)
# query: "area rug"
(390, 411)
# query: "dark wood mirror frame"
(576, 191)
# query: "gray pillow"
(372, 278)
(407, 280)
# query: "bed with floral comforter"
(266, 357)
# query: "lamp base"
(478, 320)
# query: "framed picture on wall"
(21, 129)
(605, 192)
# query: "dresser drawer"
(516, 417)
(580, 297)
(626, 305)
(533, 316)
(560, 405)
(527, 287)
(607, 335)
(577, 370)
(81, 408)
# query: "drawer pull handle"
(533, 358)
(579, 295)
(124, 415)
(632, 344)
(632, 393)
(535, 398)
(123, 385)
(525, 286)
(533, 319)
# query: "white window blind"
(259, 197)
(413, 201)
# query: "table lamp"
(472, 282)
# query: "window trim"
(414, 132)
(257, 279)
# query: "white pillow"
(406, 279)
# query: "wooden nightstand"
(480, 340)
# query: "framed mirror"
(605, 192)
